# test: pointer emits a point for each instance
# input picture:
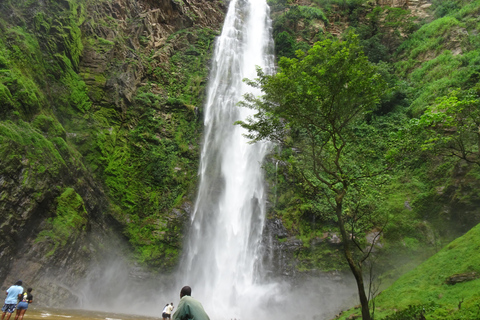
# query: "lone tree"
(316, 104)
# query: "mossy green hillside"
(21, 143)
(20, 94)
(296, 28)
(442, 55)
(71, 218)
(428, 289)
(36, 162)
(27, 78)
(184, 75)
(429, 198)
(140, 142)
(148, 155)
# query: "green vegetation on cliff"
(148, 155)
(70, 219)
(110, 96)
(82, 95)
(429, 112)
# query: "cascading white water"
(222, 256)
(223, 250)
(227, 224)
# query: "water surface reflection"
(39, 313)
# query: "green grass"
(442, 55)
(425, 287)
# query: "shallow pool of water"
(38, 313)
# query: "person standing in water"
(168, 310)
(12, 299)
(22, 306)
(189, 308)
(164, 312)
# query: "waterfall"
(222, 250)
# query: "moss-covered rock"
(89, 132)
(71, 219)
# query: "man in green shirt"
(189, 308)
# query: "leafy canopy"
(450, 127)
(315, 102)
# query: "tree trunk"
(355, 268)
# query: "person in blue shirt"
(12, 299)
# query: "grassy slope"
(425, 288)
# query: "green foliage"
(383, 31)
(61, 32)
(330, 74)
(70, 220)
(309, 219)
(443, 8)
(21, 139)
(342, 5)
(278, 5)
(452, 126)
(148, 155)
(411, 313)
(425, 288)
(431, 67)
(323, 256)
(184, 75)
(433, 33)
(353, 10)
(297, 22)
(143, 149)
(307, 13)
(394, 99)
(155, 240)
(23, 89)
(318, 102)
(49, 125)
(19, 94)
(285, 45)
(77, 97)
(440, 56)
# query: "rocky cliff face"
(417, 7)
(84, 85)
(146, 27)
(279, 250)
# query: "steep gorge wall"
(99, 133)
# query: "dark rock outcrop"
(278, 250)
(463, 277)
